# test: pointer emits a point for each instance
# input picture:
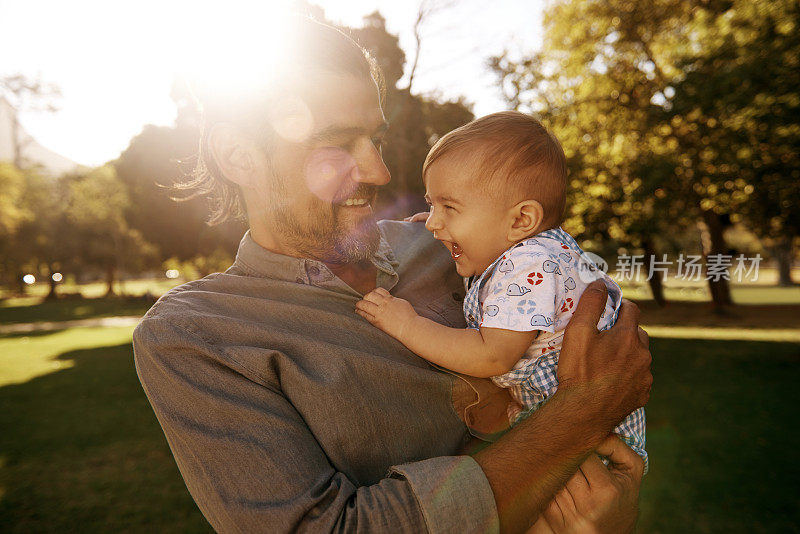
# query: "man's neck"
(361, 276)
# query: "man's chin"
(359, 242)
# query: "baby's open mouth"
(455, 251)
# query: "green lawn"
(95, 289)
(35, 309)
(741, 294)
(82, 451)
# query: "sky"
(115, 61)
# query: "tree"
(13, 214)
(25, 94)
(416, 122)
(744, 87)
(40, 244)
(616, 81)
(100, 235)
(148, 168)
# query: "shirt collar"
(257, 261)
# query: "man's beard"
(326, 236)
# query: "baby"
(496, 189)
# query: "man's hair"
(516, 158)
(311, 46)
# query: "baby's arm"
(484, 353)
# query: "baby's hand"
(418, 217)
(391, 314)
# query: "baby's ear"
(527, 217)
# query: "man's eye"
(378, 142)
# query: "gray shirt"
(287, 411)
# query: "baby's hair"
(516, 157)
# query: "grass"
(94, 289)
(721, 438)
(86, 453)
(35, 309)
(81, 449)
(741, 294)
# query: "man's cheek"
(330, 174)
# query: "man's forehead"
(325, 106)
(341, 99)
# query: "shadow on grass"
(70, 309)
(721, 437)
(35, 333)
(82, 451)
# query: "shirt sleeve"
(252, 465)
(523, 292)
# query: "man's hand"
(597, 498)
(611, 369)
(391, 314)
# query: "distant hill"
(32, 152)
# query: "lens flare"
(331, 174)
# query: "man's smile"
(356, 202)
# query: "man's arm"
(603, 376)
(252, 464)
(481, 353)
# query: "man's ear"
(234, 154)
(527, 217)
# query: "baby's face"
(473, 226)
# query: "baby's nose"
(432, 223)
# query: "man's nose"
(371, 168)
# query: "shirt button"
(458, 297)
(471, 318)
(313, 270)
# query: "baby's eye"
(448, 207)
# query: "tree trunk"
(784, 255)
(52, 295)
(111, 275)
(655, 281)
(20, 285)
(714, 243)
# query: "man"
(288, 412)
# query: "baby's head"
(492, 183)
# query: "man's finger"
(644, 337)
(566, 503)
(623, 459)
(578, 486)
(629, 313)
(540, 527)
(595, 471)
(591, 305)
(553, 515)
